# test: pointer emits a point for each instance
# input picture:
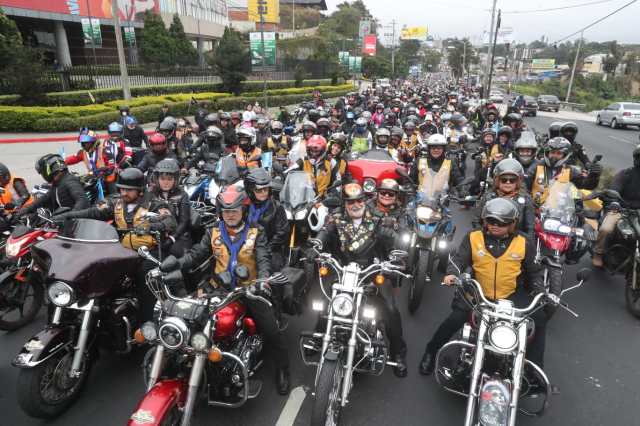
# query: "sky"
(470, 18)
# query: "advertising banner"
(343, 58)
(255, 41)
(355, 64)
(364, 28)
(271, 10)
(101, 9)
(130, 36)
(91, 32)
(542, 64)
(369, 45)
(414, 33)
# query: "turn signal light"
(379, 279)
(324, 271)
(138, 336)
(215, 354)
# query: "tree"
(456, 56)
(431, 60)
(156, 46)
(376, 67)
(184, 52)
(230, 61)
(305, 17)
(10, 39)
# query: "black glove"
(156, 226)
(60, 218)
(595, 169)
(171, 263)
(9, 206)
(261, 289)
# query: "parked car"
(548, 103)
(496, 97)
(530, 106)
(620, 114)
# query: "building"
(594, 64)
(79, 32)
(239, 14)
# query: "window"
(634, 107)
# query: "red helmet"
(157, 139)
(231, 198)
(316, 146)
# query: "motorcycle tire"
(31, 382)
(172, 417)
(416, 288)
(631, 296)
(326, 405)
(7, 322)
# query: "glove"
(595, 169)
(156, 227)
(170, 264)
(61, 218)
(261, 289)
(9, 206)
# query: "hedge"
(83, 97)
(42, 119)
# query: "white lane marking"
(622, 140)
(292, 407)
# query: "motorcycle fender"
(7, 275)
(158, 401)
(44, 345)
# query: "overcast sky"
(468, 18)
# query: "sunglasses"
(232, 211)
(388, 194)
(509, 180)
(495, 222)
(261, 190)
(358, 201)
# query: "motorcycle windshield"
(228, 170)
(560, 203)
(297, 190)
(90, 230)
(432, 186)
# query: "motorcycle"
(17, 284)
(354, 341)
(203, 348)
(87, 273)
(203, 184)
(372, 167)
(487, 364)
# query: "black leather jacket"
(178, 201)
(150, 160)
(66, 192)
(526, 221)
(276, 226)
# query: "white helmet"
(436, 140)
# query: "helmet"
(157, 139)
(352, 191)
(309, 125)
(339, 138)
(389, 185)
(213, 133)
(361, 122)
(313, 115)
(413, 118)
(526, 141)
(231, 197)
(505, 130)
(168, 126)
(316, 145)
(115, 128)
(245, 133)
(410, 126)
(323, 122)
(4, 172)
(636, 157)
(50, 164)
(396, 131)
(181, 123)
(211, 120)
(569, 131)
(557, 144)
(513, 117)
(224, 116)
(500, 209)
(489, 132)
(88, 137)
(257, 178)
(130, 120)
(380, 106)
(383, 132)
(366, 115)
(235, 115)
(277, 125)
(167, 166)
(436, 140)
(554, 129)
(457, 117)
(508, 166)
(130, 178)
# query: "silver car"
(620, 114)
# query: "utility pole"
(573, 70)
(493, 51)
(261, 10)
(464, 57)
(489, 53)
(393, 48)
(124, 76)
(93, 45)
(293, 17)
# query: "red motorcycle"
(204, 348)
(17, 286)
(372, 167)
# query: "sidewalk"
(569, 115)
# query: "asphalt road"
(592, 359)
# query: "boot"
(427, 364)
(282, 380)
(596, 260)
(400, 370)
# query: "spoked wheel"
(20, 301)
(416, 287)
(631, 296)
(47, 390)
(326, 406)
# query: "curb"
(69, 138)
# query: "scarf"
(234, 249)
(255, 213)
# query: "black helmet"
(168, 126)
(4, 172)
(213, 133)
(50, 164)
(554, 129)
(256, 178)
(397, 131)
(513, 117)
(131, 178)
(500, 209)
(167, 166)
(569, 131)
(313, 115)
(557, 144)
(505, 130)
(338, 138)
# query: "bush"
(298, 75)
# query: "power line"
(515, 12)
(595, 22)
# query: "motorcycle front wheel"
(172, 417)
(421, 270)
(20, 301)
(326, 405)
(47, 390)
(631, 296)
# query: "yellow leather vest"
(497, 277)
(250, 160)
(423, 169)
(246, 255)
(130, 239)
(322, 179)
(541, 183)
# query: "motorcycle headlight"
(289, 214)
(173, 333)
(149, 331)
(342, 305)
(301, 214)
(424, 213)
(369, 185)
(12, 248)
(503, 337)
(61, 294)
(551, 225)
(200, 342)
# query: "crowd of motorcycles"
(206, 349)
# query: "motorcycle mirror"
(583, 274)
(398, 255)
(597, 158)
(331, 202)
(315, 243)
(143, 251)
(242, 272)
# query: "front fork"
(478, 361)
(156, 367)
(351, 351)
(518, 370)
(194, 381)
(634, 272)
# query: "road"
(592, 359)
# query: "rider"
(626, 182)
(356, 236)
(248, 154)
(133, 133)
(228, 129)
(433, 161)
(324, 127)
(97, 159)
(569, 131)
(525, 150)
(428, 128)
(336, 152)
(14, 194)
(387, 204)
(504, 145)
(503, 262)
(158, 152)
(514, 120)
(323, 172)
(208, 147)
(411, 137)
(232, 241)
(361, 138)
(378, 116)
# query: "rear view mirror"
(597, 158)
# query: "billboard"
(543, 64)
(414, 33)
(271, 10)
(91, 32)
(343, 58)
(369, 45)
(255, 42)
(101, 9)
(364, 28)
